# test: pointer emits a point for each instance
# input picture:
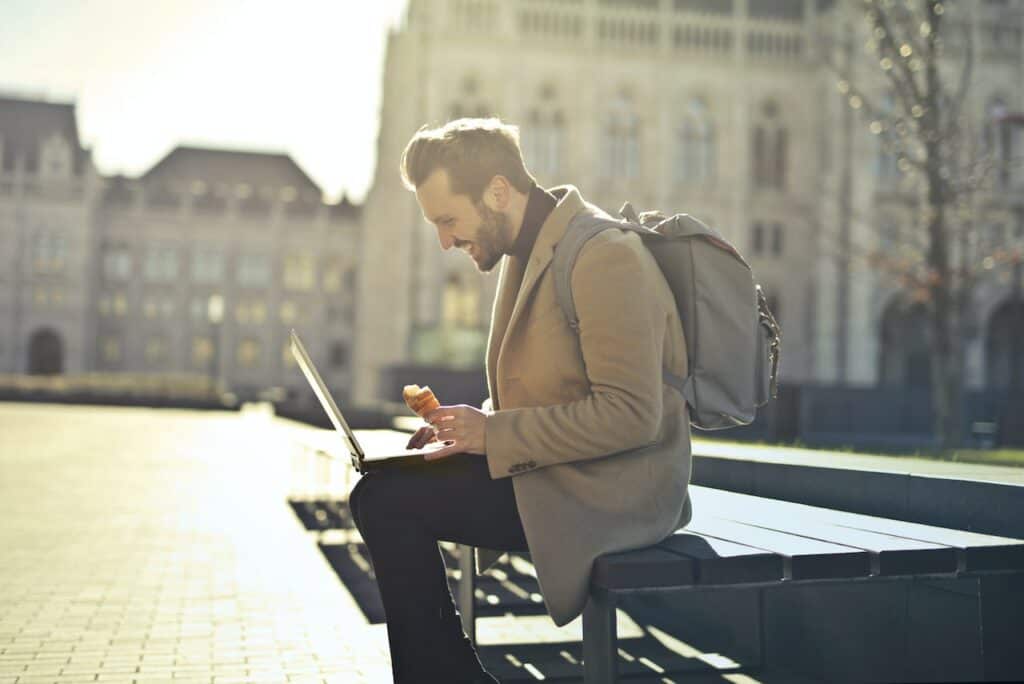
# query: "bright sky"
(301, 77)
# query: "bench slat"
(724, 562)
(890, 555)
(802, 558)
(977, 552)
(649, 567)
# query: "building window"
(160, 265)
(338, 355)
(197, 308)
(289, 312)
(470, 101)
(253, 270)
(299, 272)
(777, 239)
(460, 304)
(202, 351)
(695, 148)
(117, 264)
(251, 311)
(207, 266)
(543, 137)
(119, 304)
(248, 353)
(156, 349)
(157, 307)
(110, 348)
(904, 358)
(1003, 352)
(999, 139)
(766, 238)
(770, 148)
(49, 252)
(621, 139)
(56, 158)
(757, 238)
(333, 273)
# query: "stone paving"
(157, 545)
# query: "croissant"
(420, 399)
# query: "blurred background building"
(199, 267)
(725, 109)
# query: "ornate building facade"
(200, 266)
(720, 108)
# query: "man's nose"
(446, 239)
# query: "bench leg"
(600, 641)
(467, 587)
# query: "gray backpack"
(732, 339)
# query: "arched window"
(55, 157)
(1004, 355)
(45, 353)
(622, 139)
(999, 138)
(905, 357)
(460, 306)
(695, 148)
(469, 102)
(543, 136)
(770, 148)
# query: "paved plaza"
(157, 545)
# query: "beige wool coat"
(597, 445)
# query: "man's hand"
(461, 428)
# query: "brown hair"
(472, 151)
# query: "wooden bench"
(740, 541)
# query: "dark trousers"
(402, 513)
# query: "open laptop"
(361, 461)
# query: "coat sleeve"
(621, 338)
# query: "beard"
(492, 239)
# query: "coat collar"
(507, 311)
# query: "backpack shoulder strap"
(582, 227)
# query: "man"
(580, 449)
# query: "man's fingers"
(437, 414)
(442, 453)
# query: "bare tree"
(923, 54)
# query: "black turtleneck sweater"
(539, 205)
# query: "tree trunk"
(946, 369)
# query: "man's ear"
(498, 193)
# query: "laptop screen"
(326, 400)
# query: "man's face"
(482, 232)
